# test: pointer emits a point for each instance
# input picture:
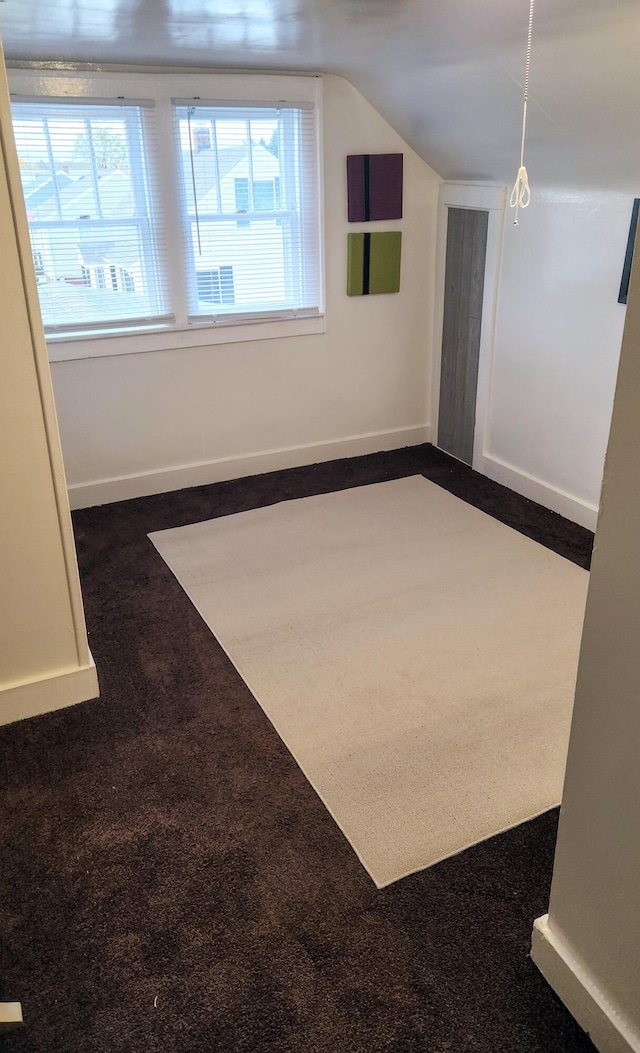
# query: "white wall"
(589, 944)
(145, 423)
(557, 344)
(148, 422)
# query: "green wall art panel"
(373, 263)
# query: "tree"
(273, 145)
(109, 148)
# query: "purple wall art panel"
(374, 183)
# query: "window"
(266, 195)
(171, 214)
(258, 162)
(88, 192)
(215, 286)
(242, 193)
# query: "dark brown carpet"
(162, 842)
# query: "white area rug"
(417, 657)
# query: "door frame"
(485, 198)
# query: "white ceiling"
(447, 74)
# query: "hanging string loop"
(521, 193)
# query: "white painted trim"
(43, 373)
(122, 488)
(567, 505)
(572, 981)
(10, 1015)
(491, 199)
(169, 338)
(43, 65)
(459, 194)
(484, 388)
(32, 698)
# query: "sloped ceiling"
(447, 74)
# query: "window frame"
(162, 88)
(136, 117)
(302, 179)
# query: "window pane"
(216, 286)
(242, 194)
(250, 207)
(88, 196)
(264, 195)
(226, 285)
(72, 285)
(209, 286)
(257, 262)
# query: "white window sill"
(174, 338)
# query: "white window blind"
(91, 205)
(249, 210)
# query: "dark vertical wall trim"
(628, 259)
(366, 177)
(462, 323)
(366, 267)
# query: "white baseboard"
(565, 504)
(608, 1029)
(34, 697)
(103, 491)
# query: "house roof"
(62, 303)
(204, 166)
(448, 76)
(95, 245)
(228, 159)
(76, 193)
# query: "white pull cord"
(190, 111)
(521, 193)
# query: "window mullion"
(289, 193)
(137, 167)
(56, 188)
(170, 194)
(250, 162)
(94, 167)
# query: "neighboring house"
(227, 255)
(110, 258)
